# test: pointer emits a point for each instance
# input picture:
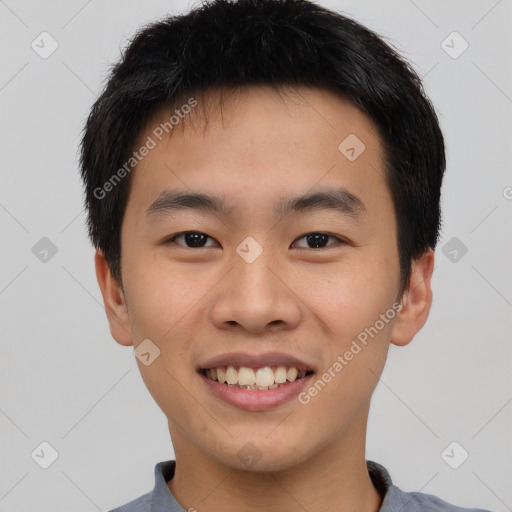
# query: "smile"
(255, 389)
(262, 379)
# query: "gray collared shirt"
(160, 499)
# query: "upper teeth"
(244, 376)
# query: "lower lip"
(254, 399)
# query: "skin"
(196, 303)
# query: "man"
(263, 183)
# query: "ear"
(415, 302)
(114, 301)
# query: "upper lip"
(255, 361)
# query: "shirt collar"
(162, 499)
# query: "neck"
(335, 478)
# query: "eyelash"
(177, 235)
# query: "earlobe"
(416, 301)
(114, 301)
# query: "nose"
(256, 297)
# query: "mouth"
(265, 378)
(255, 382)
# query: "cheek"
(163, 303)
(353, 303)
(350, 295)
(161, 296)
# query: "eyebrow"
(339, 200)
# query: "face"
(292, 263)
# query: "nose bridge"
(253, 296)
(254, 279)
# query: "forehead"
(257, 143)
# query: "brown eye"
(191, 239)
(318, 240)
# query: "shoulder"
(160, 498)
(418, 501)
(140, 504)
(396, 500)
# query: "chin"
(264, 454)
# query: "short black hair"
(235, 44)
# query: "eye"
(191, 239)
(318, 240)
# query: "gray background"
(65, 381)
